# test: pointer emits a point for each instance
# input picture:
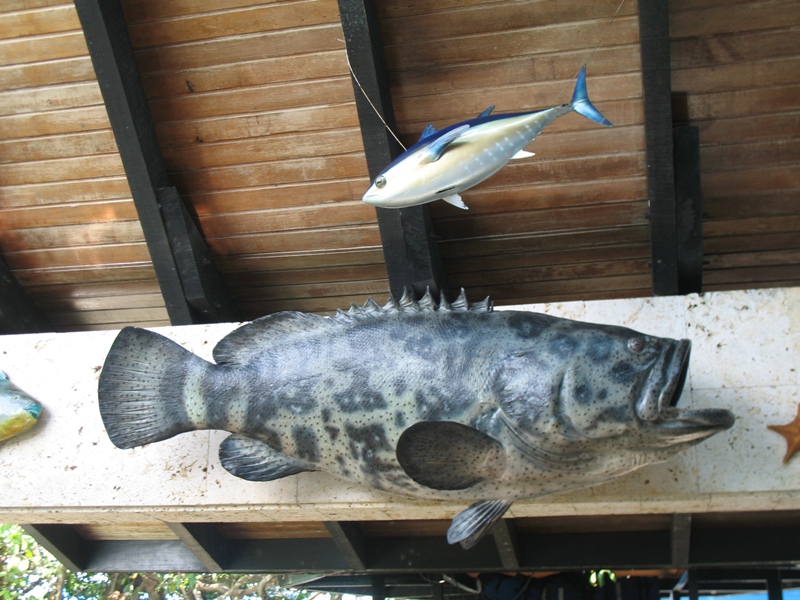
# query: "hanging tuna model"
(446, 401)
(444, 163)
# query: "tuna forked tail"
(581, 104)
(142, 388)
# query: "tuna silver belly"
(426, 400)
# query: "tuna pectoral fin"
(434, 152)
(142, 388)
(254, 460)
(456, 201)
(449, 456)
(470, 525)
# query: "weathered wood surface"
(254, 110)
(746, 348)
(67, 221)
(734, 75)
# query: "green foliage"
(26, 569)
(29, 572)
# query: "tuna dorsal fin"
(487, 112)
(470, 525)
(427, 132)
(433, 152)
(241, 343)
(444, 455)
(254, 460)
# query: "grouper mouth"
(658, 405)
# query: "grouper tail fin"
(581, 104)
(143, 389)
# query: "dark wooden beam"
(349, 538)
(689, 208)
(18, 313)
(164, 226)
(657, 91)
(200, 549)
(505, 536)
(681, 535)
(774, 586)
(63, 542)
(204, 542)
(410, 246)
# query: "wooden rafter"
(18, 313)
(409, 243)
(192, 289)
(729, 547)
(657, 91)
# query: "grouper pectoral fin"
(254, 460)
(470, 525)
(449, 456)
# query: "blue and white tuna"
(431, 401)
(444, 163)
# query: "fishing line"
(397, 139)
(591, 54)
(363, 91)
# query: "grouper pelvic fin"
(445, 455)
(470, 525)
(253, 460)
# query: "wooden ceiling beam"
(732, 548)
(657, 92)
(181, 260)
(18, 313)
(204, 541)
(410, 245)
(351, 542)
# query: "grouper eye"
(380, 182)
(636, 345)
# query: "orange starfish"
(791, 431)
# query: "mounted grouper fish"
(445, 163)
(451, 402)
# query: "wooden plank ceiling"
(254, 111)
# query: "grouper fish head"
(601, 400)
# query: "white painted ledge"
(746, 357)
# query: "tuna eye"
(636, 345)
(380, 182)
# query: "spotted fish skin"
(428, 401)
(18, 411)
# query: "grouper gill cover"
(422, 399)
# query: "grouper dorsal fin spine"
(239, 345)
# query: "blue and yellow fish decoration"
(18, 411)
